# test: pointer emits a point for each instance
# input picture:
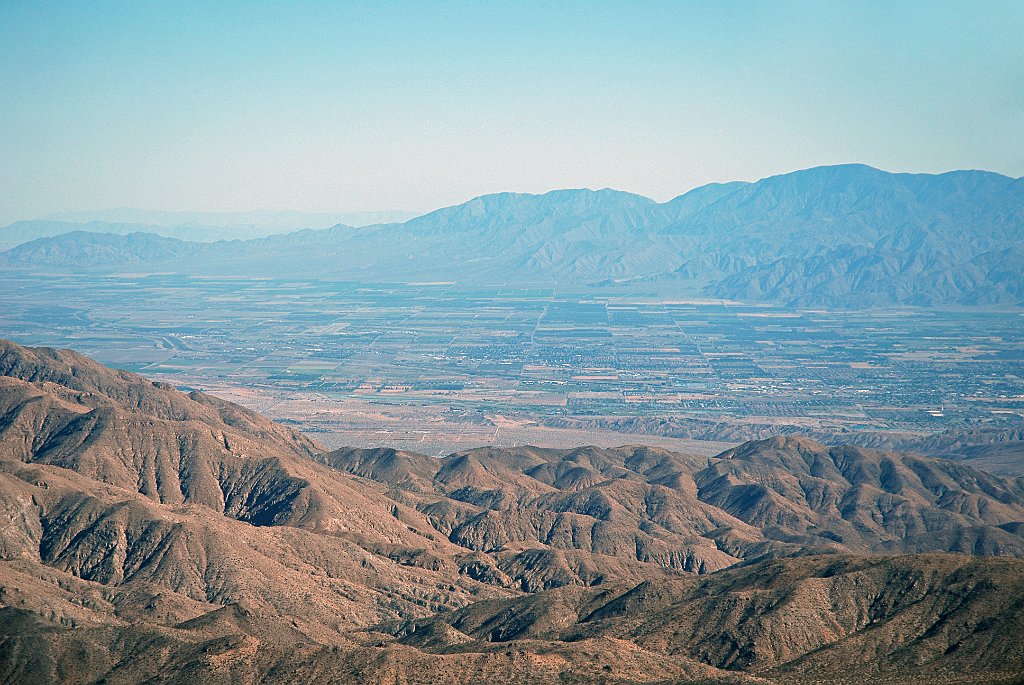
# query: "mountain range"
(152, 535)
(203, 227)
(848, 236)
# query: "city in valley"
(436, 367)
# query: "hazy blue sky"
(236, 106)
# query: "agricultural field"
(436, 366)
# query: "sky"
(199, 106)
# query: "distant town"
(436, 367)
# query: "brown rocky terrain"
(998, 450)
(641, 504)
(918, 618)
(114, 479)
(148, 535)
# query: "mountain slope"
(898, 619)
(648, 506)
(525, 518)
(112, 478)
(147, 535)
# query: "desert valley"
(668, 342)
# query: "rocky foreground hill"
(147, 535)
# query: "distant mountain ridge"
(280, 221)
(203, 227)
(21, 232)
(848, 236)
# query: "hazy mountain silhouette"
(841, 236)
(194, 226)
